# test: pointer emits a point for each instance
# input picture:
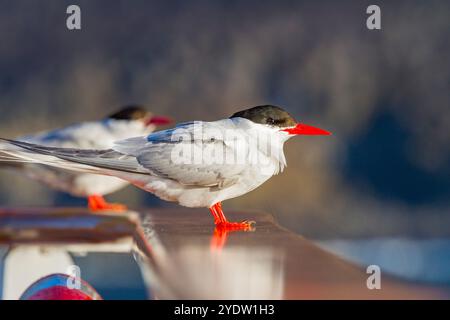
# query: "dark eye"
(270, 121)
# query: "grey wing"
(154, 158)
(195, 162)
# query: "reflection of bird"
(130, 121)
(219, 239)
(197, 164)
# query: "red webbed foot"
(235, 226)
(98, 203)
(221, 221)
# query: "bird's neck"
(269, 143)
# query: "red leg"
(215, 215)
(221, 221)
(98, 203)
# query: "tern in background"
(130, 121)
(196, 164)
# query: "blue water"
(417, 260)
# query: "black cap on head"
(131, 112)
(269, 115)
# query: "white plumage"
(150, 162)
(196, 164)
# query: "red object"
(98, 203)
(221, 221)
(304, 129)
(219, 239)
(54, 287)
(159, 120)
(60, 293)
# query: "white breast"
(200, 185)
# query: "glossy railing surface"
(180, 254)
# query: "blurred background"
(385, 172)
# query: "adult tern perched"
(196, 164)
